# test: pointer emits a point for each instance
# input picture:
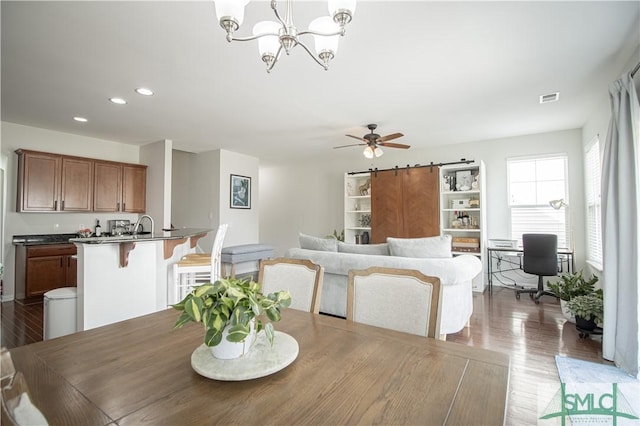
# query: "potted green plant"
(588, 310)
(570, 286)
(232, 312)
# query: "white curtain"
(620, 209)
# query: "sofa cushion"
(381, 249)
(429, 247)
(320, 244)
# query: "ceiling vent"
(549, 97)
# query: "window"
(533, 183)
(592, 173)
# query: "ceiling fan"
(374, 141)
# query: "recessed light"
(80, 119)
(144, 91)
(118, 101)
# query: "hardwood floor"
(531, 334)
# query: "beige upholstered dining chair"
(198, 268)
(17, 407)
(398, 299)
(301, 277)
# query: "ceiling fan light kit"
(373, 141)
(274, 37)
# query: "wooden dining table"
(139, 372)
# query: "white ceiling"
(439, 72)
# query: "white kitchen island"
(127, 276)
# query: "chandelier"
(274, 37)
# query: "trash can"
(60, 312)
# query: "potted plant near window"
(588, 310)
(570, 286)
(232, 312)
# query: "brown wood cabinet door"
(44, 274)
(134, 193)
(420, 202)
(77, 185)
(71, 271)
(107, 188)
(38, 182)
(386, 205)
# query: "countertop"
(158, 236)
(42, 239)
(45, 239)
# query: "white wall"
(158, 157)
(307, 197)
(16, 136)
(201, 195)
(180, 177)
(243, 223)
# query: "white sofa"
(455, 273)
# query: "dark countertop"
(158, 236)
(41, 239)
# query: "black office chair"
(540, 257)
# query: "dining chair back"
(301, 277)
(198, 268)
(17, 408)
(399, 299)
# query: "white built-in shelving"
(463, 212)
(357, 206)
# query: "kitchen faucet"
(135, 227)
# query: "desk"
(139, 371)
(564, 255)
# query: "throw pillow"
(379, 249)
(319, 244)
(429, 247)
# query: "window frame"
(541, 209)
(593, 183)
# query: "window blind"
(592, 198)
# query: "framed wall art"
(240, 192)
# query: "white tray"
(262, 360)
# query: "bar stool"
(197, 268)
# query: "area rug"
(593, 393)
(573, 370)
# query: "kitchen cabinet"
(134, 188)
(53, 183)
(120, 187)
(107, 191)
(40, 268)
(76, 185)
(59, 183)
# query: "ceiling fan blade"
(357, 137)
(394, 145)
(390, 137)
(345, 146)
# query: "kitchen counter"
(158, 236)
(125, 276)
(41, 239)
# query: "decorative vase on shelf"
(231, 350)
(365, 238)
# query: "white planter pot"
(231, 350)
(565, 312)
